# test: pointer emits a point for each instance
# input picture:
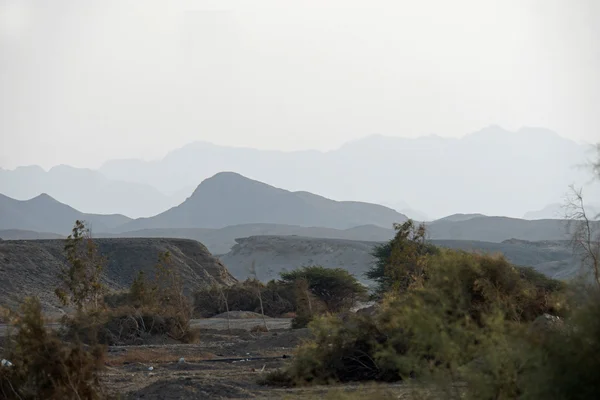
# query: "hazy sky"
(82, 82)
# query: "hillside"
(557, 211)
(19, 234)
(31, 267)
(228, 199)
(273, 254)
(459, 217)
(486, 229)
(45, 214)
(498, 229)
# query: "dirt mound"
(31, 267)
(240, 315)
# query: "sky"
(83, 82)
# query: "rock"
(369, 311)
(545, 324)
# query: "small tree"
(400, 262)
(143, 293)
(224, 297)
(335, 287)
(81, 279)
(170, 291)
(258, 291)
(585, 237)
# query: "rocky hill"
(273, 254)
(31, 267)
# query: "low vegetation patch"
(45, 367)
(152, 309)
(445, 317)
(302, 294)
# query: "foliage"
(44, 367)
(81, 279)
(335, 287)
(150, 309)
(143, 292)
(465, 307)
(276, 296)
(567, 360)
(307, 304)
(399, 262)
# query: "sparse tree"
(585, 235)
(335, 287)
(399, 263)
(169, 284)
(225, 298)
(143, 293)
(81, 279)
(258, 292)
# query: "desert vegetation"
(65, 364)
(450, 323)
(469, 325)
(302, 293)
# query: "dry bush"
(130, 326)
(149, 311)
(4, 315)
(44, 367)
(258, 328)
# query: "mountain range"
(222, 200)
(492, 172)
(46, 215)
(229, 206)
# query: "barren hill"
(272, 254)
(485, 229)
(31, 267)
(229, 198)
(45, 214)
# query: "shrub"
(400, 261)
(81, 283)
(150, 309)
(566, 362)
(276, 296)
(335, 287)
(466, 306)
(46, 368)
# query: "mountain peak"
(43, 197)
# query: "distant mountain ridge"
(86, 189)
(558, 211)
(228, 206)
(229, 198)
(491, 172)
(47, 215)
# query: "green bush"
(566, 363)
(336, 288)
(465, 306)
(399, 261)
